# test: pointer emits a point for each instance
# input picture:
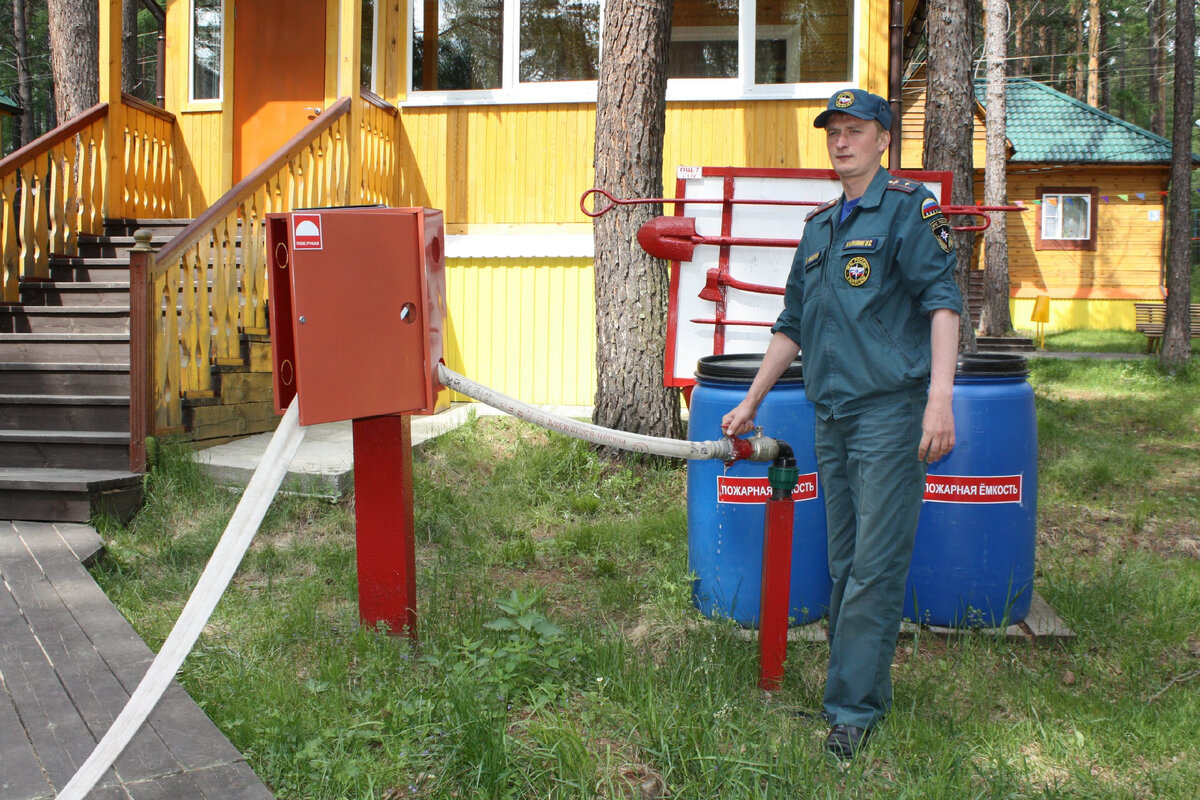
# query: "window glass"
(1066, 216)
(457, 44)
(206, 49)
(704, 39)
(560, 40)
(367, 46)
(802, 41)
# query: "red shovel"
(675, 239)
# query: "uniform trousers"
(873, 484)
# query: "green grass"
(560, 656)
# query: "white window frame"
(678, 89)
(220, 98)
(374, 87)
(1059, 204)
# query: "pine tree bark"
(24, 130)
(129, 49)
(1177, 342)
(949, 126)
(631, 286)
(994, 317)
(1157, 48)
(74, 55)
(1093, 71)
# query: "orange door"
(278, 75)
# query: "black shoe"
(844, 741)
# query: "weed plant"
(559, 655)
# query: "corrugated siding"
(498, 164)
(524, 327)
(199, 134)
(1127, 263)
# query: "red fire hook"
(618, 201)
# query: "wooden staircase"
(64, 384)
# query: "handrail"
(378, 102)
(149, 108)
(246, 187)
(46, 142)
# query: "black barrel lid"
(741, 368)
(1011, 365)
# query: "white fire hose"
(756, 448)
(224, 562)
(260, 491)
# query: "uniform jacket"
(860, 293)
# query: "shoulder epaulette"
(821, 208)
(903, 185)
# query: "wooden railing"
(377, 151)
(149, 161)
(51, 190)
(208, 285)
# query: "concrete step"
(75, 293)
(96, 348)
(1004, 344)
(64, 412)
(114, 270)
(67, 378)
(119, 246)
(68, 495)
(64, 319)
(40, 449)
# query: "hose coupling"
(753, 448)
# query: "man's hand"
(937, 430)
(740, 419)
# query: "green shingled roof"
(1045, 125)
(8, 104)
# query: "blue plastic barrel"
(973, 558)
(727, 506)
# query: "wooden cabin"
(1093, 239)
(486, 111)
(8, 109)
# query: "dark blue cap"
(856, 103)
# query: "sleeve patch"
(942, 232)
(930, 208)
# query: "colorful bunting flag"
(1141, 195)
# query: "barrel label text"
(758, 490)
(973, 488)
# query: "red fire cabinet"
(358, 313)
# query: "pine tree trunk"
(1157, 47)
(74, 55)
(631, 286)
(1093, 71)
(24, 130)
(129, 48)
(949, 126)
(1177, 343)
(994, 318)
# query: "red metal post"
(776, 581)
(776, 577)
(383, 512)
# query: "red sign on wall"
(758, 490)
(973, 488)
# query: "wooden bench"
(1151, 318)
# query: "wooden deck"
(68, 663)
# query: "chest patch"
(858, 269)
(813, 258)
(860, 246)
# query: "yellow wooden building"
(484, 110)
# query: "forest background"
(1114, 54)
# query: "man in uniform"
(871, 298)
